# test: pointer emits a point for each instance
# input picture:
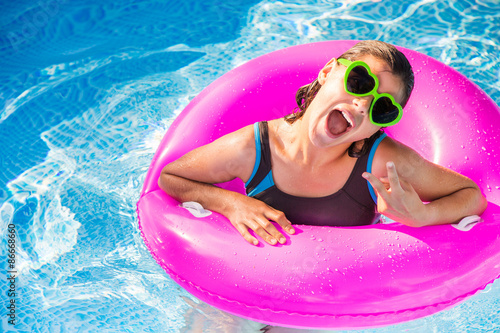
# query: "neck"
(302, 149)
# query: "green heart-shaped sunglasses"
(360, 81)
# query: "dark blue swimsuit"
(353, 205)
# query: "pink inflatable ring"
(331, 277)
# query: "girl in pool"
(330, 163)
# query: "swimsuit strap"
(373, 149)
(262, 167)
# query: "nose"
(362, 104)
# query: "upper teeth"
(347, 118)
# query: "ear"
(326, 70)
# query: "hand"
(249, 213)
(397, 199)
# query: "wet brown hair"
(399, 65)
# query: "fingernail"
(282, 240)
(273, 241)
(390, 164)
(291, 230)
(255, 242)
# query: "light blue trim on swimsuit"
(256, 133)
(266, 183)
(370, 161)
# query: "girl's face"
(337, 117)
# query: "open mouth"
(338, 123)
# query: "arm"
(190, 178)
(403, 179)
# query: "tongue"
(337, 124)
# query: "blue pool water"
(88, 90)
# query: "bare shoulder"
(390, 147)
(406, 159)
(241, 143)
(239, 152)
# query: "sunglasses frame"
(352, 64)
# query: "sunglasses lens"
(384, 111)
(359, 81)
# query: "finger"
(407, 187)
(261, 232)
(377, 184)
(393, 177)
(280, 218)
(244, 232)
(273, 234)
(385, 181)
(259, 227)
